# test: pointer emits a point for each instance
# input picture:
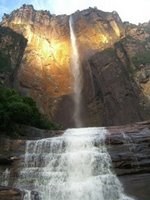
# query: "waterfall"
(131, 146)
(77, 75)
(4, 177)
(74, 166)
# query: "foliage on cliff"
(15, 109)
(142, 58)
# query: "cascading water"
(74, 166)
(4, 178)
(77, 75)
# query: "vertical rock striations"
(12, 46)
(115, 81)
(45, 70)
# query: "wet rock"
(131, 153)
(129, 149)
(35, 195)
(7, 160)
(8, 193)
(137, 186)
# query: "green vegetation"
(15, 109)
(141, 58)
(147, 28)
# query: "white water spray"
(4, 177)
(77, 75)
(75, 166)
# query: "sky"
(134, 11)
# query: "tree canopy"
(16, 109)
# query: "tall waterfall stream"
(74, 166)
(77, 75)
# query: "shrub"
(141, 58)
(15, 109)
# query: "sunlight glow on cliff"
(94, 40)
(56, 51)
(115, 28)
(49, 49)
(104, 39)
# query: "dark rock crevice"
(12, 46)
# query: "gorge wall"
(12, 46)
(114, 59)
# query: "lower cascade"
(74, 166)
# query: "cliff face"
(137, 46)
(114, 88)
(120, 79)
(115, 83)
(12, 47)
(45, 72)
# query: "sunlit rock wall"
(45, 72)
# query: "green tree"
(15, 109)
